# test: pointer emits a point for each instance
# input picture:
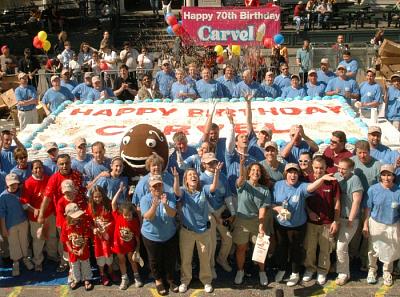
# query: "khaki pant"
(358, 247)
(52, 242)
(27, 117)
(318, 235)
(37, 244)
(80, 270)
(226, 238)
(244, 230)
(187, 240)
(18, 241)
(342, 249)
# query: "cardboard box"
(9, 98)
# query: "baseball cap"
(208, 157)
(67, 186)
(395, 75)
(95, 79)
(324, 61)
(266, 130)
(54, 77)
(88, 75)
(312, 71)
(165, 61)
(64, 71)
(271, 144)
(72, 210)
(79, 141)
(155, 179)
(295, 75)
(341, 67)
(292, 166)
(50, 146)
(373, 129)
(373, 70)
(387, 167)
(12, 178)
(21, 75)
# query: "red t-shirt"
(332, 161)
(298, 10)
(125, 233)
(60, 208)
(323, 201)
(77, 235)
(103, 219)
(32, 193)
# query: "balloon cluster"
(40, 41)
(277, 39)
(219, 50)
(175, 27)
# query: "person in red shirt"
(32, 197)
(126, 238)
(99, 210)
(75, 235)
(336, 151)
(299, 15)
(323, 209)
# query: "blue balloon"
(279, 39)
(170, 31)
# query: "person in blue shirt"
(56, 95)
(66, 80)
(208, 87)
(283, 79)
(294, 90)
(23, 169)
(159, 233)
(313, 87)
(7, 161)
(193, 75)
(194, 161)
(27, 100)
(380, 152)
(165, 78)
(181, 89)
(289, 205)
(99, 166)
(195, 230)
(350, 64)
(269, 88)
(392, 100)
(99, 91)
(14, 224)
(342, 85)
(303, 60)
(370, 93)
(181, 148)
(382, 216)
(247, 86)
(50, 163)
(228, 81)
(324, 75)
(82, 157)
(299, 143)
(82, 90)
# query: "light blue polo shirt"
(70, 85)
(370, 93)
(351, 66)
(342, 84)
(233, 167)
(384, 154)
(325, 77)
(190, 151)
(393, 104)
(384, 204)
(95, 94)
(242, 89)
(79, 165)
(282, 81)
(272, 91)
(93, 169)
(228, 85)
(55, 98)
(315, 90)
(82, 91)
(211, 89)
(223, 191)
(304, 56)
(142, 188)
(111, 186)
(193, 161)
(290, 92)
(11, 209)
(7, 159)
(296, 151)
(50, 167)
(178, 88)
(164, 81)
(23, 174)
(24, 94)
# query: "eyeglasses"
(334, 141)
(304, 161)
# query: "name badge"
(295, 198)
(395, 204)
(369, 94)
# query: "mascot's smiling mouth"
(138, 162)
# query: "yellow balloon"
(236, 50)
(42, 36)
(218, 49)
(46, 45)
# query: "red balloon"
(171, 20)
(103, 66)
(220, 59)
(37, 43)
(268, 42)
(178, 29)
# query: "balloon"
(103, 66)
(279, 39)
(171, 20)
(220, 59)
(218, 49)
(170, 31)
(268, 42)
(37, 43)
(167, 15)
(42, 36)
(46, 45)
(178, 30)
(236, 50)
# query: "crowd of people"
(242, 186)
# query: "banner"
(231, 25)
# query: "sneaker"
(208, 288)
(183, 288)
(105, 281)
(321, 279)
(371, 278)
(387, 279)
(224, 264)
(239, 277)
(279, 276)
(28, 263)
(138, 281)
(308, 275)
(293, 279)
(15, 269)
(124, 282)
(263, 278)
(214, 273)
(342, 279)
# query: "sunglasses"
(304, 161)
(334, 141)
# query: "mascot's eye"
(151, 142)
(126, 140)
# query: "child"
(67, 54)
(14, 224)
(23, 169)
(126, 238)
(99, 210)
(75, 234)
